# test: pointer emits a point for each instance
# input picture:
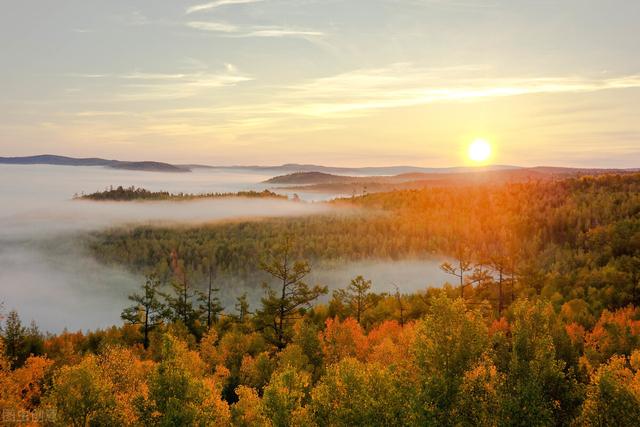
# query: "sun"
(479, 150)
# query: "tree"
(148, 310)
(211, 303)
(353, 393)
(83, 395)
(280, 308)
(285, 396)
(498, 255)
(343, 339)
(356, 296)
(449, 341)
(536, 390)
(179, 394)
(613, 397)
(248, 411)
(180, 303)
(242, 305)
(461, 267)
(14, 335)
(478, 401)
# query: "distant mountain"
(48, 159)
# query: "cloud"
(219, 27)
(216, 4)
(282, 32)
(140, 86)
(403, 85)
(230, 30)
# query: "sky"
(334, 82)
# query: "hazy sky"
(342, 82)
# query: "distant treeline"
(133, 193)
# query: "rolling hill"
(47, 159)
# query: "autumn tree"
(287, 300)
(179, 393)
(286, 396)
(83, 395)
(536, 389)
(249, 410)
(449, 341)
(613, 397)
(352, 393)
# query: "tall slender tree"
(148, 309)
(287, 300)
(356, 296)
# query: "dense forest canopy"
(540, 324)
(577, 238)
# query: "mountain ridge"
(50, 159)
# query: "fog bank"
(48, 277)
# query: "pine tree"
(148, 310)
(280, 307)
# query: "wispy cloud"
(218, 27)
(281, 32)
(157, 87)
(230, 30)
(140, 86)
(319, 103)
(216, 4)
(402, 85)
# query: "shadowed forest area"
(539, 324)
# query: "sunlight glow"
(479, 150)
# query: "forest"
(134, 193)
(539, 324)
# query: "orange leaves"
(343, 339)
(389, 343)
(23, 387)
(615, 332)
(499, 326)
(576, 333)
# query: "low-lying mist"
(48, 276)
(409, 275)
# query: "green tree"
(242, 305)
(285, 396)
(20, 342)
(449, 341)
(613, 397)
(83, 396)
(352, 393)
(536, 390)
(148, 310)
(178, 392)
(282, 306)
(210, 303)
(357, 296)
(180, 303)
